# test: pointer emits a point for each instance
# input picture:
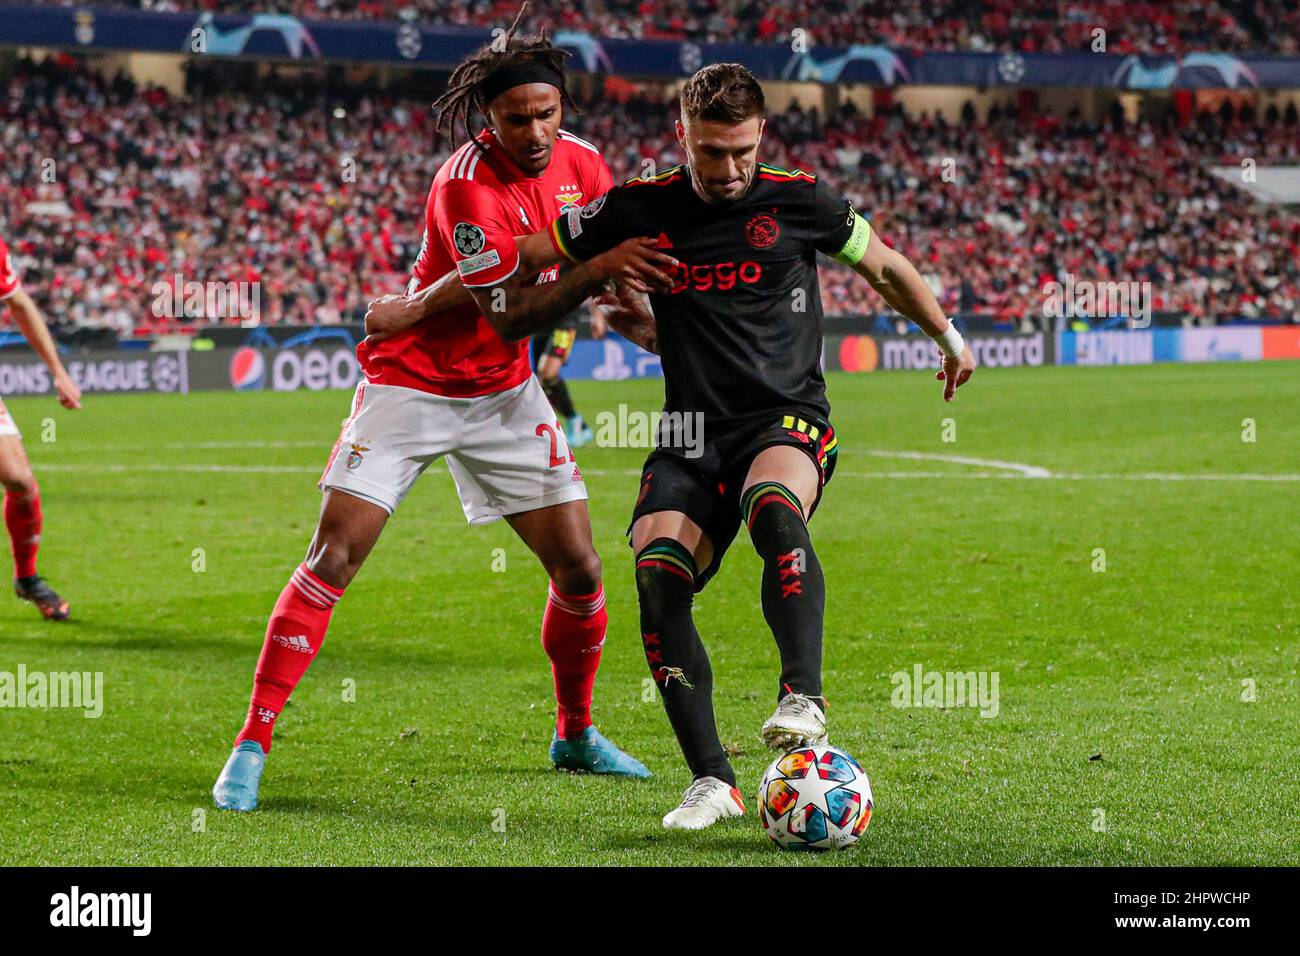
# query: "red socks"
(23, 519)
(573, 633)
(293, 636)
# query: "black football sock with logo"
(557, 390)
(665, 584)
(793, 590)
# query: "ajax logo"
(761, 231)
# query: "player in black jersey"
(550, 352)
(740, 337)
(746, 434)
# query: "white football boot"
(798, 722)
(704, 803)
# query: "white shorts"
(7, 426)
(506, 451)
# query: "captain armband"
(855, 247)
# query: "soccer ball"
(814, 798)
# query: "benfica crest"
(568, 200)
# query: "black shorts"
(707, 488)
(558, 343)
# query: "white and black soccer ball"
(814, 798)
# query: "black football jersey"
(740, 332)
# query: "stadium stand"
(250, 187)
(1167, 26)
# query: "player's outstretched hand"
(639, 264)
(390, 314)
(630, 314)
(955, 372)
(67, 390)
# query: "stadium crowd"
(1132, 26)
(108, 189)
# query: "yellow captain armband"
(855, 247)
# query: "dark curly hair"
(464, 93)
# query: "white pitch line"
(1169, 476)
(1017, 476)
(1068, 476)
(630, 472)
(237, 469)
(248, 444)
(1025, 471)
(200, 446)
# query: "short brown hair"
(723, 91)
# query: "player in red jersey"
(461, 387)
(22, 506)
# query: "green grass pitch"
(1126, 731)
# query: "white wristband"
(950, 342)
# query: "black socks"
(665, 583)
(794, 591)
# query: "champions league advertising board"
(278, 36)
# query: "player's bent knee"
(652, 597)
(769, 507)
(336, 560)
(665, 575)
(334, 568)
(579, 574)
(348, 530)
(22, 483)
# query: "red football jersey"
(9, 281)
(480, 201)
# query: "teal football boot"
(236, 788)
(592, 753)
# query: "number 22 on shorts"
(550, 432)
